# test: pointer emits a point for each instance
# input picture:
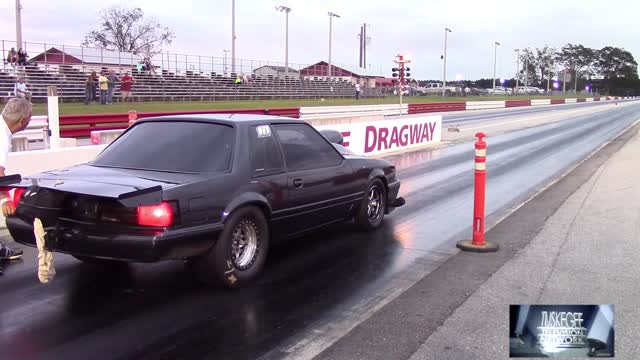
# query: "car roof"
(228, 119)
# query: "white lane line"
(527, 119)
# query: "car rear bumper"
(166, 245)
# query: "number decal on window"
(263, 131)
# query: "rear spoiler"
(148, 196)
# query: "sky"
(412, 27)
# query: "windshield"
(174, 146)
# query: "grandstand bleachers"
(168, 86)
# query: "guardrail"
(330, 112)
(78, 126)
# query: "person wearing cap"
(15, 117)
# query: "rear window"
(175, 146)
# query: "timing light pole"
(233, 36)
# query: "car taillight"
(160, 215)
(17, 196)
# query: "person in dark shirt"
(90, 88)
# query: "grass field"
(80, 108)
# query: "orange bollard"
(133, 116)
(477, 243)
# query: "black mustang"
(213, 189)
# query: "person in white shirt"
(20, 90)
(15, 117)
(357, 91)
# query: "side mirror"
(334, 136)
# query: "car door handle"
(298, 183)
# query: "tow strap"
(46, 269)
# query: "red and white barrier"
(383, 136)
(537, 102)
(483, 105)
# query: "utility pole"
(526, 72)
(233, 36)
(444, 71)
(18, 26)
(286, 10)
(548, 76)
(495, 60)
(575, 86)
(517, 69)
(331, 16)
(360, 40)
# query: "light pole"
(331, 16)
(548, 76)
(18, 25)
(233, 36)
(286, 10)
(526, 72)
(517, 69)
(495, 59)
(444, 71)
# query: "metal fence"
(166, 62)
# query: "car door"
(321, 187)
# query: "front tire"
(240, 251)
(371, 210)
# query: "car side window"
(266, 157)
(304, 148)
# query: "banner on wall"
(378, 137)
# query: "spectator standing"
(90, 88)
(113, 79)
(104, 87)
(22, 57)
(20, 90)
(357, 91)
(15, 117)
(125, 87)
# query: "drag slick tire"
(240, 251)
(371, 211)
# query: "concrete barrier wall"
(537, 102)
(32, 162)
(570, 101)
(380, 137)
(481, 105)
(589, 100)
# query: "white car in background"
(529, 90)
(500, 90)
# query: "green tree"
(127, 30)
(613, 62)
(577, 58)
